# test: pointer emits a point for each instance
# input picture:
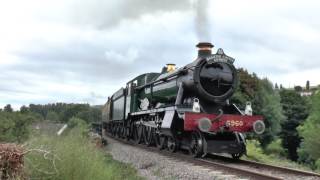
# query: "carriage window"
(134, 83)
(129, 89)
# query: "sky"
(82, 51)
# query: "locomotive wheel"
(172, 144)
(138, 134)
(148, 135)
(161, 141)
(123, 132)
(114, 130)
(236, 156)
(196, 144)
(111, 130)
(135, 133)
(127, 133)
(132, 131)
(119, 131)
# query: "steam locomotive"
(186, 108)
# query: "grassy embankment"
(72, 157)
(274, 154)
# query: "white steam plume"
(202, 25)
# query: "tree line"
(14, 125)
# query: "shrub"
(73, 122)
(14, 126)
(255, 152)
(73, 157)
(276, 148)
(318, 165)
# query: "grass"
(275, 156)
(72, 157)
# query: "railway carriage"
(186, 108)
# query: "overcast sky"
(83, 50)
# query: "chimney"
(204, 49)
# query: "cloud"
(103, 14)
(83, 51)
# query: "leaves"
(309, 131)
(14, 126)
(265, 101)
(296, 111)
(62, 112)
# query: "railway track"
(242, 168)
(257, 166)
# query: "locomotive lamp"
(259, 127)
(204, 124)
(248, 109)
(196, 105)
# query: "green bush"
(14, 126)
(74, 121)
(309, 131)
(72, 157)
(256, 153)
(318, 165)
(304, 156)
(276, 148)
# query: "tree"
(21, 128)
(298, 88)
(14, 126)
(6, 127)
(90, 115)
(296, 111)
(308, 85)
(73, 122)
(8, 108)
(63, 112)
(52, 116)
(265, 101)
(267, 104)
(24, 109)
(276, 86)
(248, 86)
(72, 110)
(309, 131)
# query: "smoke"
(105, 14)
(202, 25)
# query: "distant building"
(307, 90)
(306, 93)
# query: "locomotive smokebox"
(204, 49)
